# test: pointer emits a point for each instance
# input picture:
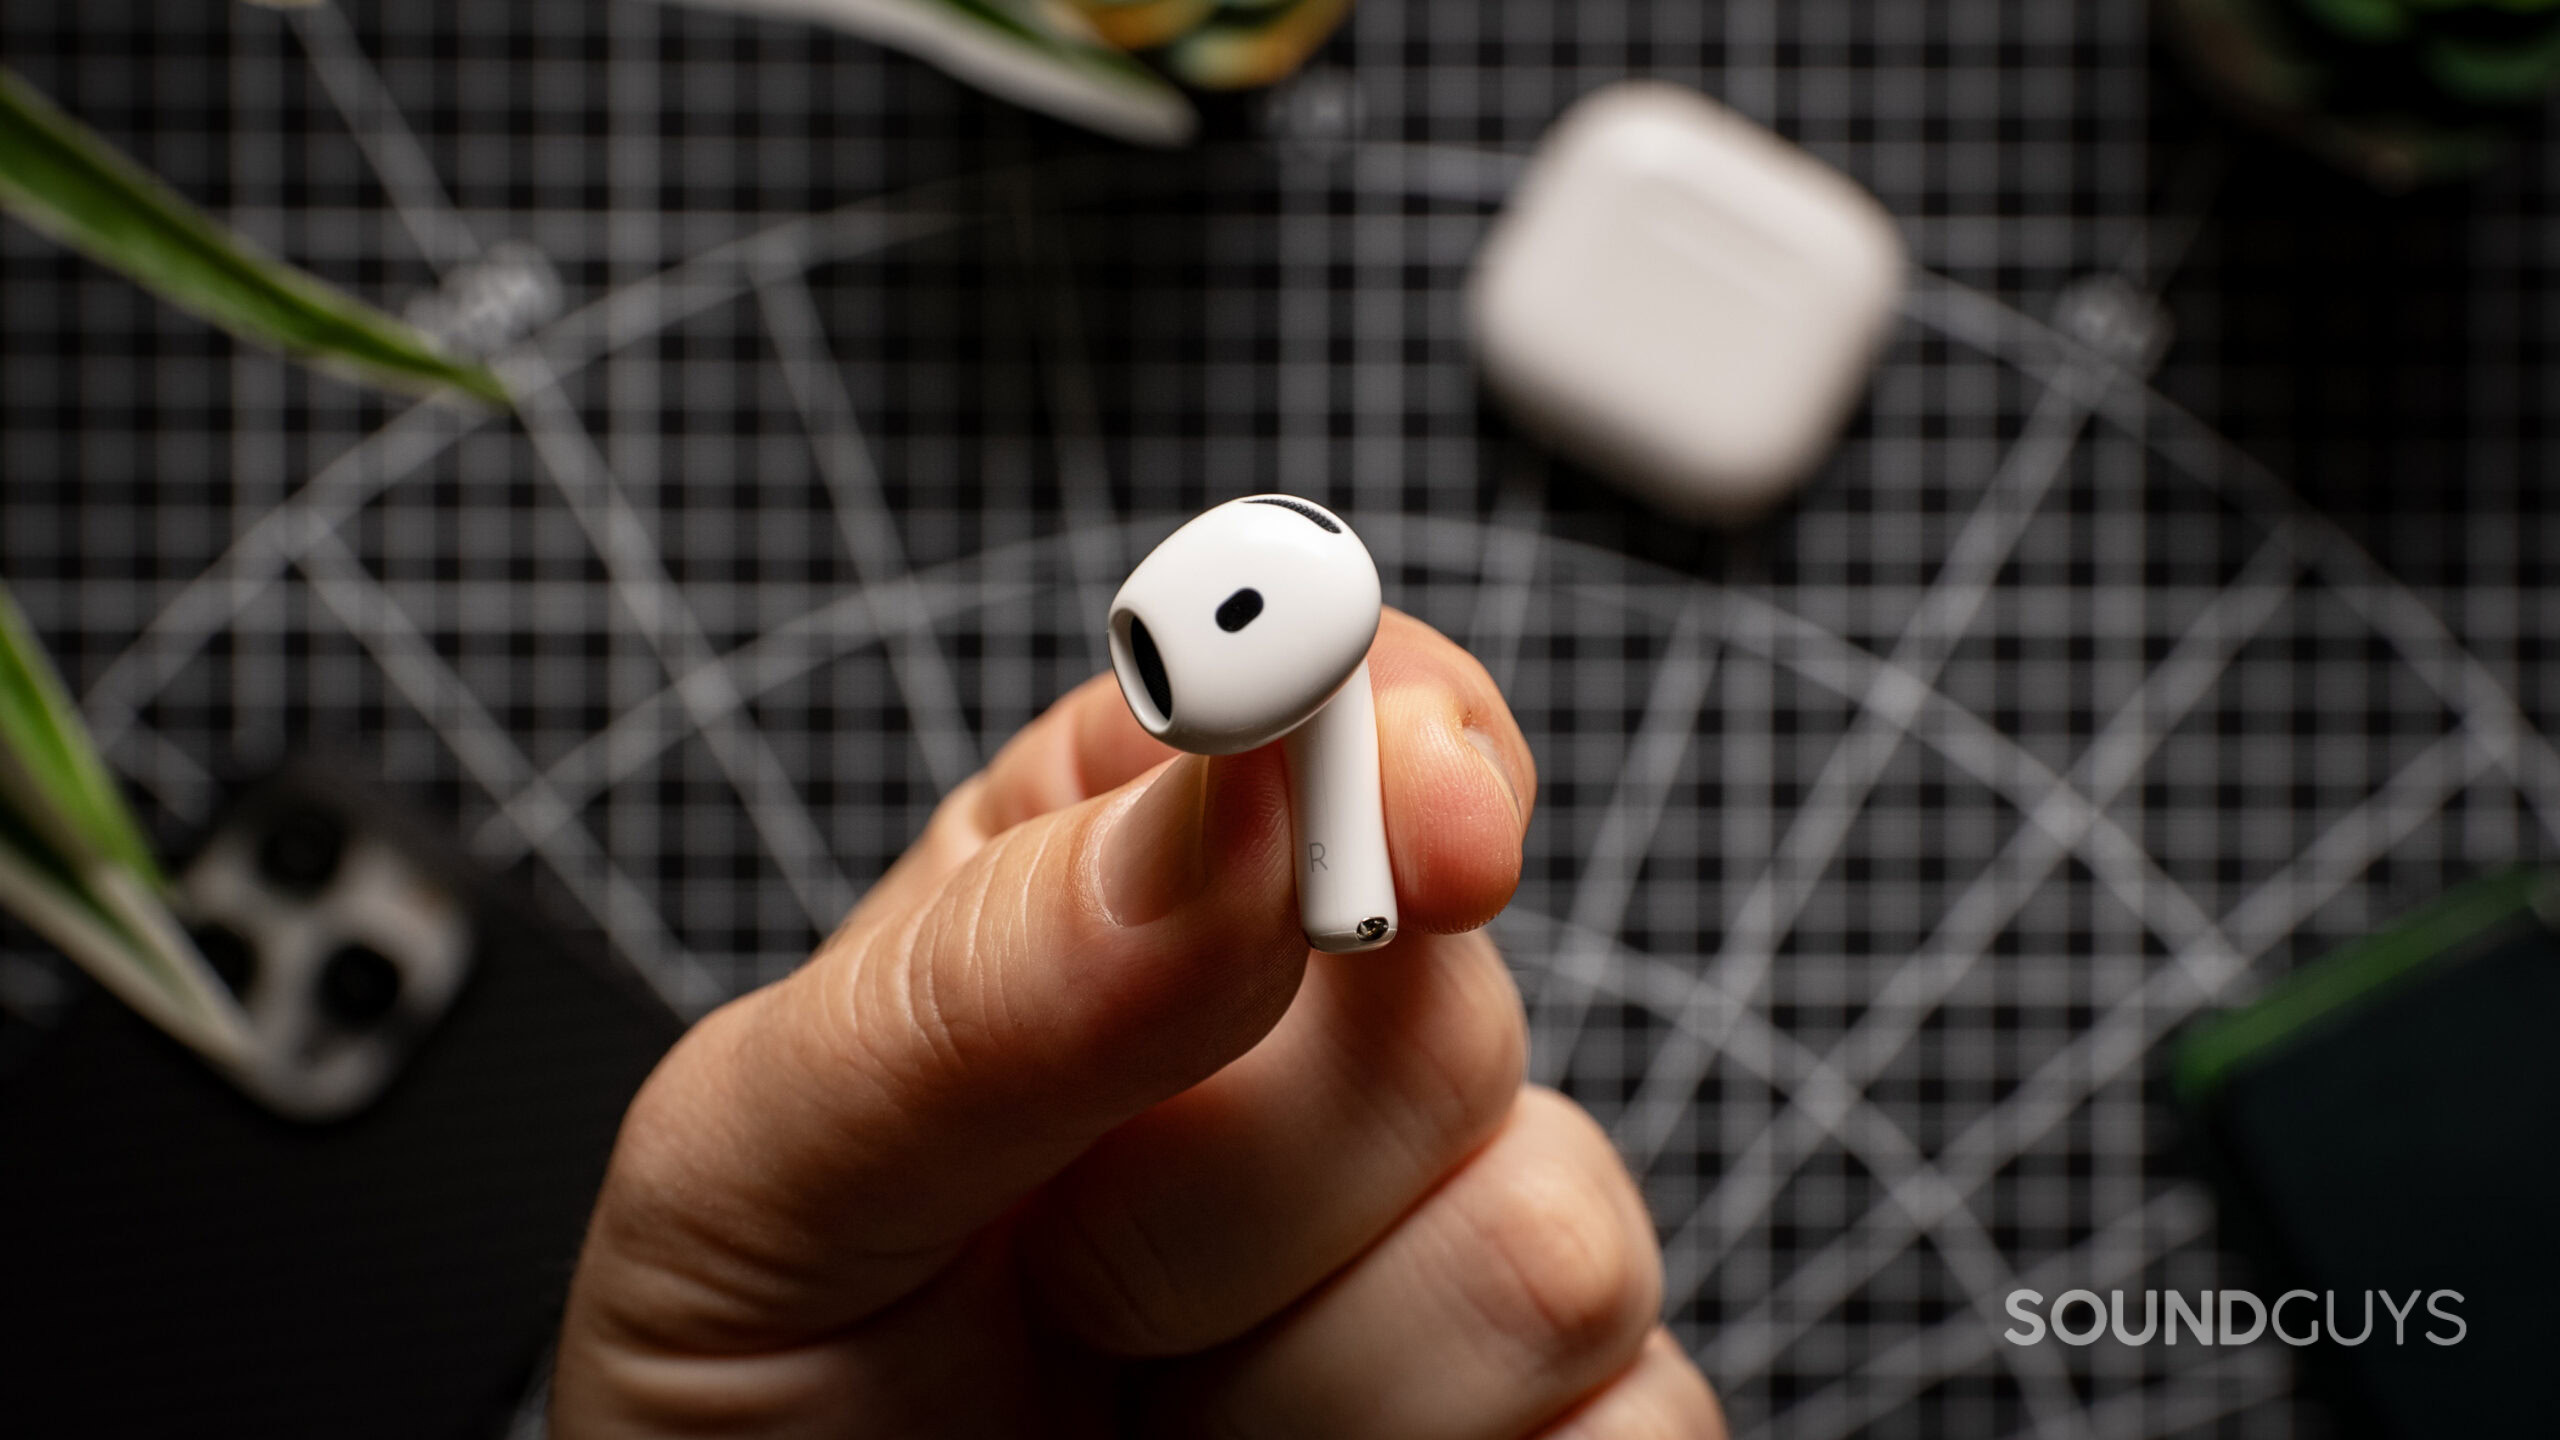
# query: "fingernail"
(1493, 761)
(1154, 851)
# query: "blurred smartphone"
(371, 1234)
(2388, 1120)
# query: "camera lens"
(301, 851)
(358, 986)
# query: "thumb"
(820, 1148)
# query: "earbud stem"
(1346, 888)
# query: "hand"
(1065, 1132)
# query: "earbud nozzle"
(1151, 672)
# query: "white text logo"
(2233, 1317)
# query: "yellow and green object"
(1219, 44)
(2401, 91)
(1117, 66)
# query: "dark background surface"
(1878, 848)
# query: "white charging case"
(1684, 301)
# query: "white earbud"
(1251, 624)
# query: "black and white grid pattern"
(1877, 852)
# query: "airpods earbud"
(1251, 624)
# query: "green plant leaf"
(64, 180)
(1250, 46)
(48, 768)
(1041, 53)
(126, 940)
(1145, 24)
(2513, 7)
(75, 865)
(2508, 74)
(2367, 20)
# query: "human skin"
(1065, 1132)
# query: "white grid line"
(1508, 568)
(1660, 745)
(1831, 807)
(2109, 1049)
(399, 162)
(620, 906)
(2109, 1258)
(941, 728)
(1084, 470)
(1916, 987)
(657, 607)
